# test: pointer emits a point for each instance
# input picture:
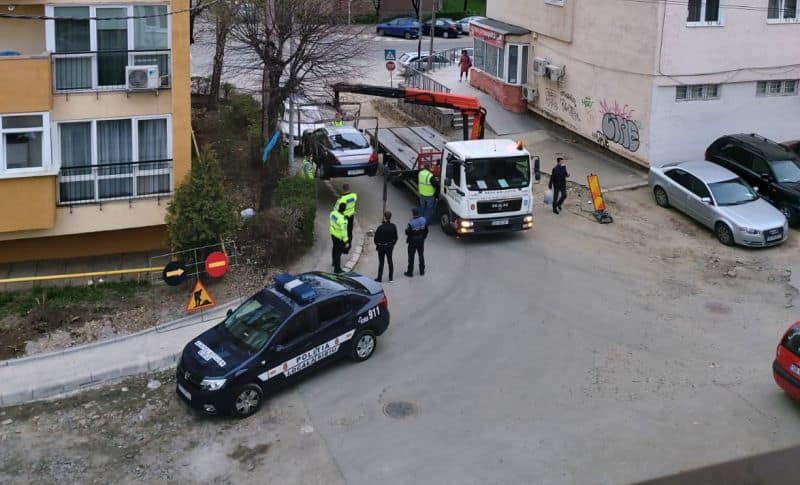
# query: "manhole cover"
(715, 307)
(399, 409)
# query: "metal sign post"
(390, 66)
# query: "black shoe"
(337, 271)
(391, 279)
(409, 274)
(378, 280)
(555, 210)
(422, 272)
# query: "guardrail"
(114, 181)
(104, 70)
(418, 80)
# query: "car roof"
(706, 171)
(472, 149)
(768, 148)
(324, 288)
(332, 129)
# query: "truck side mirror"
(537, 172)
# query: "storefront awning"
(493, 31)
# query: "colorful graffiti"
(587, 102)
(618, 125)
(570, 106)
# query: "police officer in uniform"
(338, 230)
(307, 168)
(416, 232)
(349, 199)
(425, 185)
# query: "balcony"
(104, 70)
(91, 184)
(25, 84)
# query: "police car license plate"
(186, 393)
(355, 172)
(500, 222)
(795, 370)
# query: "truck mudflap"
(497, 224)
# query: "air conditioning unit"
(529, 93)
(539, 66)
(139, 78)
(555, 73)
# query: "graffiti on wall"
(618, 125)
(570, 106)
(551, 99)
(587, 102)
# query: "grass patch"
(477, 7)
(21, 303)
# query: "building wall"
(34, 75)
(24, 36)
(684, 129)
(27, 203)
(181, 93)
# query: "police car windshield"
(498, 173)
(254, 322)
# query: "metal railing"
(416, 79)
(104, 70)
(88, 184)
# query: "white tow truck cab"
(485, 187)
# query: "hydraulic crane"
(469, 106)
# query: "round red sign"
(390, 65)
(217, 264)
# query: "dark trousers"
(350, 220)
(559, 195)
(385, 253)
(336, 254)
(418, 248)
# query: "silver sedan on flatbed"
(717, 198)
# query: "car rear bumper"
(786, 381)
(353, 170)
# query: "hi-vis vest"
(425, 185)
(338, 226)
(349, 199)
(307, 169)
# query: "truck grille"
(493, 206)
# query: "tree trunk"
(223, 27)
(466, 5)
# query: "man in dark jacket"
(385, 239)
(416, 232)
(558, 182)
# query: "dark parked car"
(402, 27)
(768, 166)
(793, 146)
(340, 151)
(444, 28)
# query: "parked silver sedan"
(720, 200)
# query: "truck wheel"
(446, 222)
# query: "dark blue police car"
(275, 336)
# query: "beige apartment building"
(94, 125)
(653, 81)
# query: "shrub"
(276, 233)
(300, 195)
(200, 213)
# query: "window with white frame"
(697, 92)
(92, 45)
(785, 87)
(558, 3)
(114, 159)
(24, 143)
(782, 11)
(703, 12)
(508, 63)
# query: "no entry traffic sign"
(216, 264)
(390, 66)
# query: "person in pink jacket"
(464, 63)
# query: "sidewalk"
(46, 375)
(546, 141)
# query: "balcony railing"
(104, 70)
(88, 184)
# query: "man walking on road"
(349, 199)
(385, 239)
(416, 232)
(426, 188)
(338, 230)
(558, 182)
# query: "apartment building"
(94, 125)
(653, 81)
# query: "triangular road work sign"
(200, 298)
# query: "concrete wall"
(25, 36)
(683, 130)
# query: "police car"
(280, 333)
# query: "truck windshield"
(498, 173)
(254, 322)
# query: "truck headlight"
(466, 223)
(212, 384)
(528, 218)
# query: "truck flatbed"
(404, 144)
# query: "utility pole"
(292, 168)
(419, 37)
(433, 33)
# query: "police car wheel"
(363, 345)
(247, 400)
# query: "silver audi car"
(720, 200)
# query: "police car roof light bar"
(294, 288)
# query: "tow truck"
(484, 185)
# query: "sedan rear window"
(792, 340)
(349, 140)
(732, 192)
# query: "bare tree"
(222, 16)
(296, 46)
(415, 6)
(376, 4)
(197, 8)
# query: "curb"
(635, 185)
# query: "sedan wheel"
(364, 345)
(787, 212)
(381, 32)
(446, 34)
(407, 35)
(661, 197)
(724, 234)
(247, 401)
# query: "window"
(254, 322)
(697, 187)
(739, 155)
(491, 60)
(782, 11)
(93, 54)
(680, 177)
(331, 310)
(508, 63)
(792, 341)
(703, 12)
(697, 92)
(300, 326)
(113, 159)
(454, 172)
(513, 63)
(479, 55)
(786, 87)
(24, 143)
(732, 192)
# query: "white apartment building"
(652, 80)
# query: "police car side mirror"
(279, 348)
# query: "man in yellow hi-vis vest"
(338, 121)
(427, 189)
(349, 199)
(307, 168)
(338, 230)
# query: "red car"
(786, 368)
